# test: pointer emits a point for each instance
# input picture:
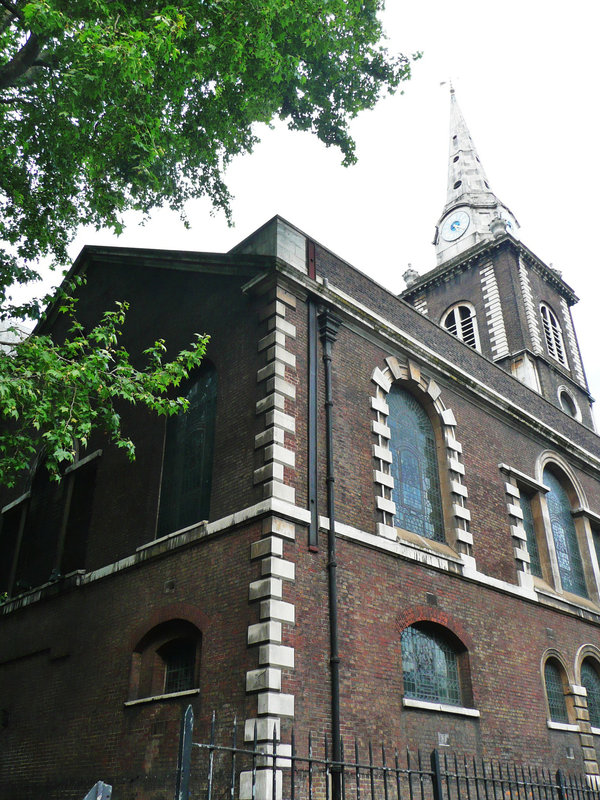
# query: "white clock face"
(455, 225)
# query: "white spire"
(472, 212)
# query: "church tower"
(489, 290)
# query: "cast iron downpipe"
(328, 328)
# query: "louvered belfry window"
(188, 457)
(461, 322)
(591, 680)
(429, 667)
(553, 334)
(416, 490)
(568, 556)
(555, 692)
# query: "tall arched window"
(188, 457)
(591, 680)
(460, 320)
(430, 666)
(568, 556)
(553, 334)
(414, 467)
(555, 691)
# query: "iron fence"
(210, 771)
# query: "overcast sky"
(526, 75)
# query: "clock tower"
(472, 213)
(493, 293)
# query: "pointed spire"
(467, 181)
(481, 215)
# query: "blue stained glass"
(591, 680)
(429, 667)
(555, 692)
(532, 548)
(414, 467)
(570, 565)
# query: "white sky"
(526, 74)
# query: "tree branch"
(11, 8)
(21, 63)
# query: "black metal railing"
(210, 771)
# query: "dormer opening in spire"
(471, 206)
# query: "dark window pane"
(80, 513)
(9, 533)
(187, 463)
(591, 680)
(570, 566)
(430, 667)
(180, 663)
(555, 692)
(40, 535)
(414, 467)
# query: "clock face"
(455, 225)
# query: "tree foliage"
(115, 105)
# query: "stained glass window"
(188, 457)
(430, 667)
(555, 692)
(532, 548)
(414, 467)
(570, 565)
(591, 680)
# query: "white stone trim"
(444, 708)
(400, 368)
(572, 342)
(420, 304)
(493, 312)
(530, 309)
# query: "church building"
(440, 441)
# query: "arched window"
(553, 334)
(568, 556)
(568, 403)
(430, 666)
(188, 457)
(414, 467)
(461, 322)
(166, 660)
(555, 691)
(591, 680)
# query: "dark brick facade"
(72, 710)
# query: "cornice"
(476, 255)
(355, 314)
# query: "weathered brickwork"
(250, 585)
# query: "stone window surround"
(455, 307)
(459, 539)
(583, 518)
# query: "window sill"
(562, 726)
(159, 697)
(410, 702)
(427, 545)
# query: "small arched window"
(553, 334)
(568, 404)
(430, 666)
(416, 490)
(188, 457)
(555, 691)
(460, 320)
(568, 556)
(166, 660)
(590, 678)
